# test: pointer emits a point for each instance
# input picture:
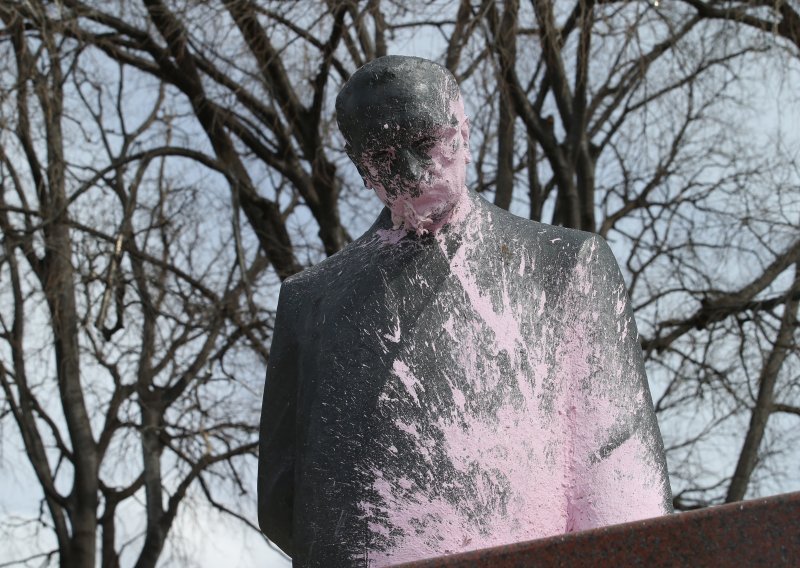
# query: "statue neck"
(428, 212)
(453, 220)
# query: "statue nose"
(408, 165)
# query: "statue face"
(408, 136)
(418, 155)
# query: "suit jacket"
(473, 388)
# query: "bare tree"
(121, 300)
(779, 24)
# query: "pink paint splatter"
(391, 236)
(394, 337)
(538, 449)
(408, 379)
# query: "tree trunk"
(748, 457)
(504, 183)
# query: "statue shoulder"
(568, 247)
(317, 278)
(291, 300)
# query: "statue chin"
(410, 216)
(438, 205)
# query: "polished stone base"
(762, 532)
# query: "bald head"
(392, 98)
(404, 123)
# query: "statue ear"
(465, 140)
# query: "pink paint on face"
(440, 195)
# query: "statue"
(456, 378)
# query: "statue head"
(405, 130)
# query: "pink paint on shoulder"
(391, 236)
(408, 379)
(410, 429)
(394, 337)
(459, 399)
